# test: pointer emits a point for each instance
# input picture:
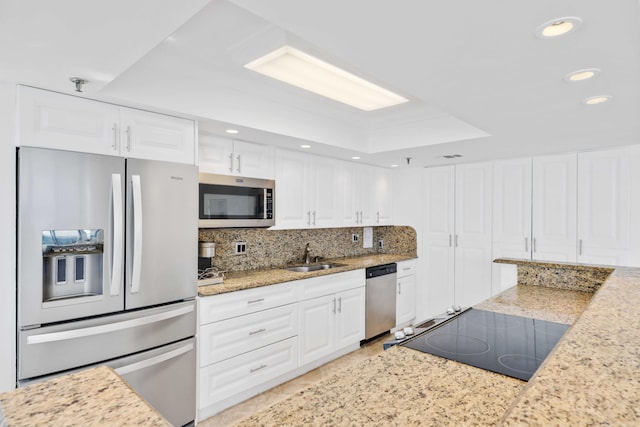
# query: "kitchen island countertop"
(93, 397)
(237, 281)
(590, 378)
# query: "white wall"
(8, 240)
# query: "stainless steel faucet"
(307, 256)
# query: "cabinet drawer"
(227, 338)
(331, 284)
(232, 376)
(406, 268)
(233, 304)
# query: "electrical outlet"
(355, 237)
(380, 244)
(241, 248)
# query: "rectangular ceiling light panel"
(297, 68)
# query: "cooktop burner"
(510, 345)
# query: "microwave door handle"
(155, 360)
(137, 234)
(118, 234)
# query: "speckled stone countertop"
(592, 377)
(240, 280)
(95, 397)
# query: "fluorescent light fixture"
(581, 75)
(233, 131)
(305, 146)
(300, 69)
(599, 99)
(558, 27)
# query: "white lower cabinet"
(406, 293)
(254, 339)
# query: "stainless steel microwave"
(233, 201)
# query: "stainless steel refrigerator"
(107, 262)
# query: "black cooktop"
(510, 345)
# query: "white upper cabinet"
(603, 207)
(232, 157)
(381, 196)
(512, 208)
(51, 120)
(156, 136)
(305, 191)
(554, 208)
(364, 195)
(64, 122)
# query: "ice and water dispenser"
(72, 263)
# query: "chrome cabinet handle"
(334, 306)
(450, 240)
(526, 244)
(253, 301)
(114, 145)
(314, 217)
(128, 138)
(361, 215)
(252, 370)
(399, 288)
(455, 240)
(309, 218)
(533, 243)
(238, 159)
(231, 162)
(406, 268)
(340, 305)
(257, 331)
(378, 217)
(580, 247)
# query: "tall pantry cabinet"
(456, 241)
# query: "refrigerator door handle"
(107, 328)
(137, 234)
(118, 235)
(154, 360)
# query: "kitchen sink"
(314, 267)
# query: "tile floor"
(236, 413)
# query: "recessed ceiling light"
(355, 158)
(300, 69)
(580, 75)
(234, 131)
(599, 99)
(305, 146)
(394, 166)
(558, 27)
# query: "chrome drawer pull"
(257, 332)
(258, 368)
(253, 301)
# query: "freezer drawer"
(56, 348)
(165, 377)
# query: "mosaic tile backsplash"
(276, 248)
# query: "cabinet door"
(554, 208)
(349, 194)
(293, 190)
(437, 240)
(603, 207)
(253, 160)
(472, 238)
(406, 300)
(381, 196)
(53, 120)
(152, 136)
(366, 186)
(323, 209)
(316, 330)
(349, 318)
(215, 154)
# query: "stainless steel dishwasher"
(380, 300)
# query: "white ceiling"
(480, 83)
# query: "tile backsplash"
(275, 248)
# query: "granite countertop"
(237, 281)
(590, 378)
(93, 397)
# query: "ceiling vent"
(451, 156)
